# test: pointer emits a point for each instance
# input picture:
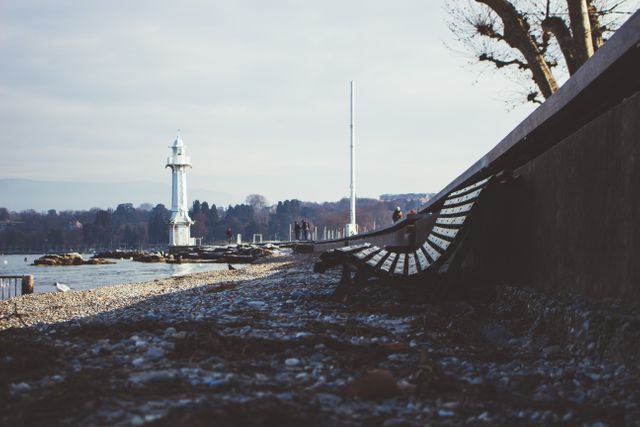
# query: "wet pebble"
(292, 362)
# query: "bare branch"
(556, 26)
(517, 35)
(500, 63)
(534, 97)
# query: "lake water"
(80, 277)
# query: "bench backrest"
(445, 234)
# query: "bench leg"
(349, 281)
(360, 277)
(343, 288)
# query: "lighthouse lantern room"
(180, 223)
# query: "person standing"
(397, 214)
(296, 230)
(305, 230)
(229, 235)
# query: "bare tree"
(260, 206)
(257, 201)
(540, 40)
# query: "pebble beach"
(269, 345)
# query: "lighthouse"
(180, 223)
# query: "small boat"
(62, 287)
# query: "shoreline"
(53, 307)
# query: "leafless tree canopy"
(257, 201)
(536, 42)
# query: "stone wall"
(583, 210)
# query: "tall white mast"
(352, 227)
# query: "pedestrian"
(296, 229)
(305, 230)
(397, 214)
(229, 235)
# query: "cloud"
(95, 91)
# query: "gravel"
(268, 345)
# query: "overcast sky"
(94, 91)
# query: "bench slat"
(375, 260)
(434, 254)
(462, 199)
(471, 187)
(422, 260)
(412, 268)
(386, 265)
(366, 252)
(441, 243)
(445, 232)
(353, 248)
(448, 232)
(454, 220)
(457, 210)
(399, 269)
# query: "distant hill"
(407, 196)
(22, 194)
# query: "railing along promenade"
(13, 286)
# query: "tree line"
(146, 226)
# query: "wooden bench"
(444, 236)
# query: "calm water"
(80, 277)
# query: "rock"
(155, 353)
(327, 399)
(292, 362)
(20, 387)
(141, 344)
(71, 258)
(256, 304)
(551, 350)
(374, 383)
(140, 379)
(451, 405)
(445, 413)
(138, 362)
(302, 377)
(297, 294)
(484, 417)
(98, 261)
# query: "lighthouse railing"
(179, 160)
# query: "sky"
(95, 91)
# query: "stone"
(20, 387)
(256, 304)
(551, 350)
(138, 362)
(445, 413)
(292, 362)
(155, 353)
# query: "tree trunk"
(581, 29)
(596, 28)
(517, 35)
(556, 26)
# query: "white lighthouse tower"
(180, 223)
